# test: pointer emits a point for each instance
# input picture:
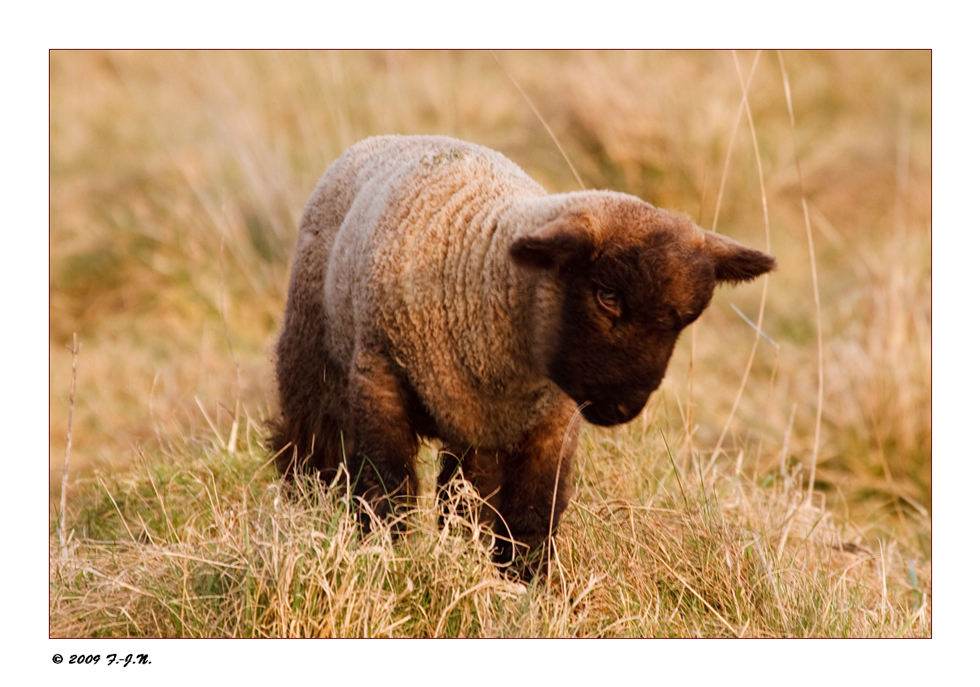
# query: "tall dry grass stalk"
(541, 119)
(816, 288)
(62, 532)
(765, 278)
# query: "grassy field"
(177, 181)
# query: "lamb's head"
(616, 280)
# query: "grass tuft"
(244, 558)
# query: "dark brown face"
(621, 316)
(627, 291)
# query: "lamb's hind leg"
(308, 445)
(306, 437)
(385, 439)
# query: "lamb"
(438, 292)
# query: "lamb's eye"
(609, 300)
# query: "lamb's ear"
(733, 261)
(555, 244)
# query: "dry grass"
(177, 180)
(211, 547)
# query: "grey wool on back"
(438, 291)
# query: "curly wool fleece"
(438, 291)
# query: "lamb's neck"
(521, 288)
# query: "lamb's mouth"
(609, 414)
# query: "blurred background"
(178, 179)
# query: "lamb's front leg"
(385, 443)
(535, 490)
(482, 468)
